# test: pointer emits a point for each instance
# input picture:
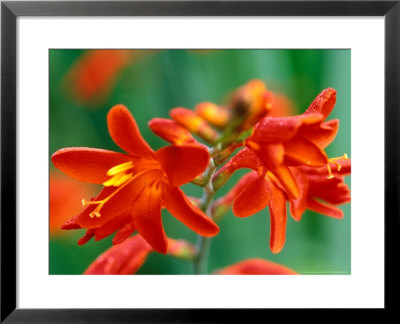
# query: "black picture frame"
(11, 10)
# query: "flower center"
(338, 165)
(119, 174)
(120, 178)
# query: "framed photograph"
(162, 159)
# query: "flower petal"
(111, 226)
(182, 163)
(125, 132)
(330, 128)
(86, 238)
(280, 129)
(245, 158)
(253, 198)
(272, 156)
(300, 151)
(224, 204)
(123, 233)
(299, 205)
(119, 200)
(182, 209)
(171, 131)
(324, 209)
(125, 258)
(242, 184)
(323, 103)
(256, 267)
(87, 164)
(146, 214)
(277, 210)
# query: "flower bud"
(220, 156)
(171, 131)
(194, 123)
(215, 115)
(251, 102)
(181, 249)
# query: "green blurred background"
(153, 83)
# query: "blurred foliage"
(156, 81)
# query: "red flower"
(93, 75)
(137, 184)
(122, 259)
(287, 154)
(281, 142)
(65, 196)
(320, 184)
(129, 256)
(261, 191)
(256, 267)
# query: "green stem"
(204, 243)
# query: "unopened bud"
(181, 249)
(220, 178)
(215, 115)
(251, 102)
(194, 123)
(221, 156)
(171, 131)
(219, 210)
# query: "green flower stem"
(204, 243)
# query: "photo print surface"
(200, 162)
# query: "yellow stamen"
(119, 174)
(330, 174)
(338, 165)
(120, 178)
(120, 168)
(100, 203)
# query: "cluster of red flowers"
(286, 155)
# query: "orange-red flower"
(281, 142)
(321, 190)
(256, 267)
(122, 259)
(65, 196)
(92, 76)
(252, 194)
(127, 257)
(290, 163)
(136, 185)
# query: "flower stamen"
(338, 165)
(119, 174)
(120, 168)
(120, 178)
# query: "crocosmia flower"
(93, 75)
(129, 256)
(290, 164)
(137, 184)
(65, 196)
(281, 142)
(125, 258)
(256, 267)
(321, 190)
